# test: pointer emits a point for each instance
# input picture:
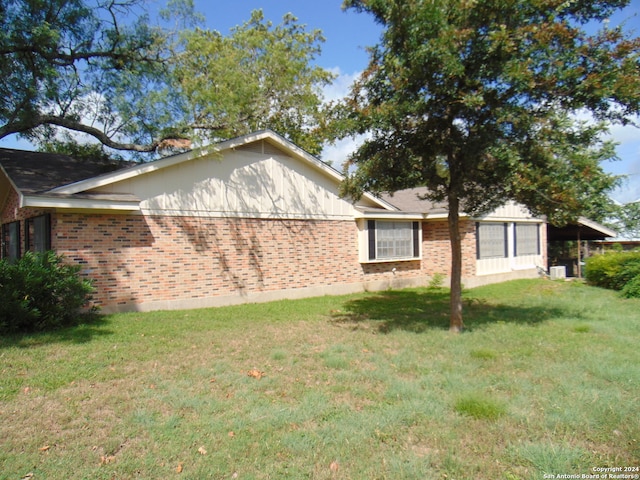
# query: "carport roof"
(583, 229)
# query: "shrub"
(39, 292)
(632, 288)
(615, 270)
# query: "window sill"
(392, 260)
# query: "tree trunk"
(455, 324)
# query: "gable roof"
(51, 180)
(206, 151)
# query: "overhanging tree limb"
(90, 63)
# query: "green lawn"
(546, 380)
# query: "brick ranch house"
(251, 219)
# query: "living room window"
(491, 240)
(393, 240)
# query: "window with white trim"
(526, 239)
(393, 240)
(491, 240)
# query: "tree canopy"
(627, 220)
(59, 58)
(260, 76)
(480, 101)
(101, 68)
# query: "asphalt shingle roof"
(409, 201)
(37, 172)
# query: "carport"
(582, 232)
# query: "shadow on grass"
(87, 328)
(419, 311)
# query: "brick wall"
(11, 210)
(135, 259)
(436, 250)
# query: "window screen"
(527, 239)
(393, 240)
(38, 234)
(491, 240)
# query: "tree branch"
(38, 120)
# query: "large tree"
(99, 67)
(259, 76)
(480, 101)
(59, 58)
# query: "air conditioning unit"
(558, 273)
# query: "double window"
(493, 240)
(392, 240)
(37, 236)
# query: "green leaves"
(101, 69)
(59, 54)
(40, 292)
(260, 76)
(493, 88)
(478, 99)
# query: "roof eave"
(596, 226)
(68, 202)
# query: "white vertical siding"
(509, 211)
(243, 183)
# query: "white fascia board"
(200, 152)
(380, 202)
(489, 219)
(43, 201)
(120, 175)
(440, 216)
(389, 215)
(596, 226)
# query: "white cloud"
(626, 133)
(340, 87)
(338, 153)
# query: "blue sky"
(348, 34)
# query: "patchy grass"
(546, 379)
